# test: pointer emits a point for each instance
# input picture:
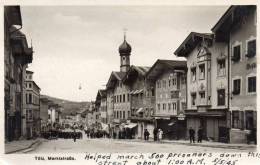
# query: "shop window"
(236, 86)
(251, 48)
(222, 67)
(249, 116)
(193, 74)
(238, 119)
(236, 53)
(251, 81)
(202, 71)
(221, 97)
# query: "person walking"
(200, 134)
(192, 135)
(74, 135)
(160, 134)
(146, 135)
(155, 134)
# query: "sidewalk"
(19, 145)
(203, 144)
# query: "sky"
(78, 45)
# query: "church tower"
(125, 52)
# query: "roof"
(161, 65)
(124, 48)
(231, 18)
(33, 83)
(131, 73)
(190, 43)
(114, 77)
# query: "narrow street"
(122, 146)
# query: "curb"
(20, 149)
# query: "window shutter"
(228, 119)
(255, 119)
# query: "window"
(222, 67)
(120, 112)
(193, 99)
(123, 97)
(30, 98)
(235, 119)
(251, 81)
(183, 80)
(153, 92)
(128, 97)
(236, 53)
(236, 86)
(29, 114)
(117, 114)
(249, 116)
(251, 48)
(120, 98)
(128, 113)
(174, 82)
(169, 106)
(202, 95)
(174, 94)
(164, 106)
(30, 85)
(202, 71)
(158, 84)
(158, 106)
(169, 83)
(174, 106)
(123, 114)
(221, 97)
(193, 74)
(164, 83)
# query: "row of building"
(214, 89)
(24, 109)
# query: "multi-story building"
(118, 102)
(139, 98)
(101, 102)
(207, 87)
(237, 29)
(44, 106)
(17, 55)
(33, 120)
(169, 81)
(54, 113)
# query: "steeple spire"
(125, 34)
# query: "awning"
(131, 125)
(140, 110)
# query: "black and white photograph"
(129, 79)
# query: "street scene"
(150, 79)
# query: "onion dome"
(124, 48)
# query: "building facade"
(139, 104)
(17, 55)
(44, 105)
(33, 120)
(169, 79)
(239, 23)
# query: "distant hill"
(69, 106)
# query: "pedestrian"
(74, 135)
(160, 134)
(200, 134)
(155, 134)
(146, 134)
(192, 135)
